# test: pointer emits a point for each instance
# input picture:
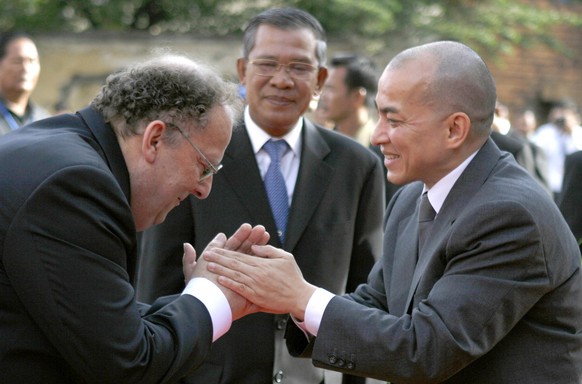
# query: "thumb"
(189, 253)
(219, 241)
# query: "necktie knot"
(275, 149)
(426, 211)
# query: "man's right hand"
(240, 241)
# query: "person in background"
(524, 123)
(347, 98)
(559, 137)
(347, 101)
(480, 279)
(521, 148)
(75, 189)
(523, 126)
(570, 202)
(19, 73)
(332, 192)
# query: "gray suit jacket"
(334, 231)
(496, 296)
(67, 253)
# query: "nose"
(203, 188)
(380, 134)
(282, 76)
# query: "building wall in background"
(74, 66)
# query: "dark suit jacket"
(527, 154)
(334, 231)
(496, 296)
(67, 240)
(570, 200)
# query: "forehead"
(408, 82)
(216, 135)
(271, 41)
(337, 74)
(21, 47)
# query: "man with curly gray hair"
(75, 190)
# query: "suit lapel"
(312, 182)
(404, 263)
(240, 168)
(460, 195)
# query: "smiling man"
(329, 215)
(480, 279)
(75, 189)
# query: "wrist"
(302, 302)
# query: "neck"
(17, 103)
(352, 124)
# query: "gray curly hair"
(171, 88)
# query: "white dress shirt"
(289, 160)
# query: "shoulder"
(544, 131)
(507, 143)
(342, 143)
(575, 157)
(574, 162)
(38, 112)
(47, 150)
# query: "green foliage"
(495, 26)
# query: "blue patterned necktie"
(275, 186)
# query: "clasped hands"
(254, 277)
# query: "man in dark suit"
(570, 202)
(334, 188)
(480, 278)
(75, 188)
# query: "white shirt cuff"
(315, 308)
(215, 301)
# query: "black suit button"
(281, 324)
(341, 362)
(332, 359)
(278, 378)
(350, 365)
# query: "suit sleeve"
(470, 306)
(66, 256)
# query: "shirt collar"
(439, 192)
(259, 137)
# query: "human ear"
(241, 68)
(459, 127)
(321, 77)
(152, 138)
(359, 96)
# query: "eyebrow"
(388, 110)
(302, 59)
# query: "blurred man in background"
(19, 72)
(347, 101)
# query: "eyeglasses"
(210, 170)
(297, 70)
